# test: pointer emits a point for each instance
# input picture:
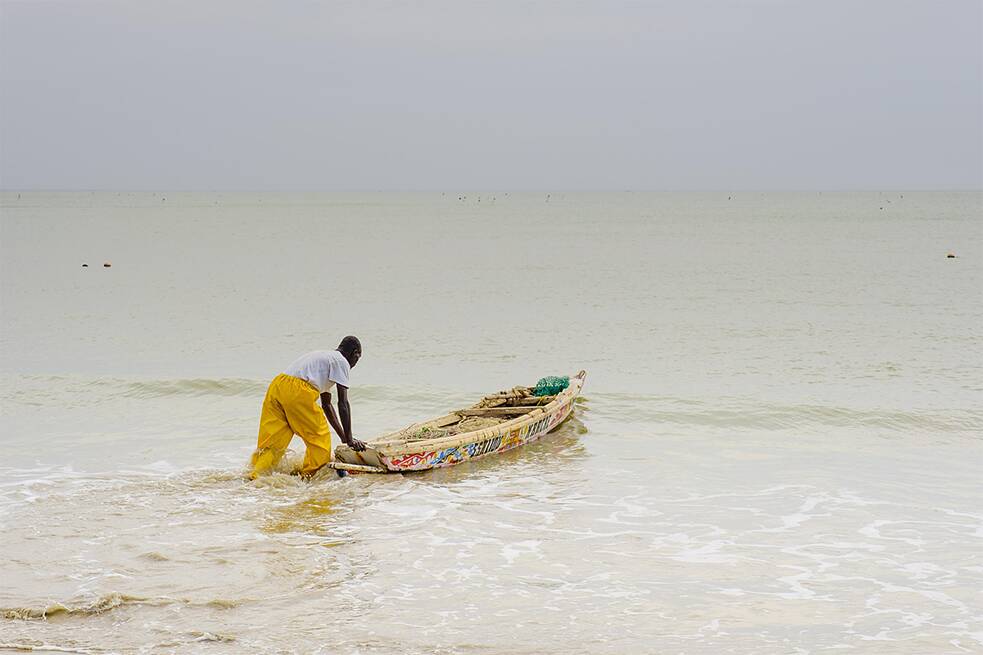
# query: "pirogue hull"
(446, 440)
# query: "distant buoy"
(950, 256)
(106, 264)
(85, 266)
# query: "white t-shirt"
(322, 368)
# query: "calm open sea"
(778, 450)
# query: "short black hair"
(350, 345)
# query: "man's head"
(351, 348)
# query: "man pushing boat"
(290, 408)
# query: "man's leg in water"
(275, 432)
(307, 418)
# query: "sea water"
(778, 448)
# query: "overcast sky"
(676, 94)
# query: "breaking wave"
(739, 413)
(194, 387)
(103, 604)
(745, 414)
(25, 389)
(42, 647)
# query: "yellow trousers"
(290, 408)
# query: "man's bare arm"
(330, 414)
(345, 411)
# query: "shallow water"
(777, 450)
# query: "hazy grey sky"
(680, 94)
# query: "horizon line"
(492, 190)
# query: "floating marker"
(106, 264)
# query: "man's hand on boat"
(342, 422)
(355, 444)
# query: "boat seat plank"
(533, 400)
(498, 411)
(444, 421)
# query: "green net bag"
(551, 385)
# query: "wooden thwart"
(498, 411)
(536, 400)
(444, 421)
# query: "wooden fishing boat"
(498, 422)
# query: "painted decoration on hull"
(500, 443)
(410, 461)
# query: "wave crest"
(746, 414)
(193, 387)
(103, 604)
